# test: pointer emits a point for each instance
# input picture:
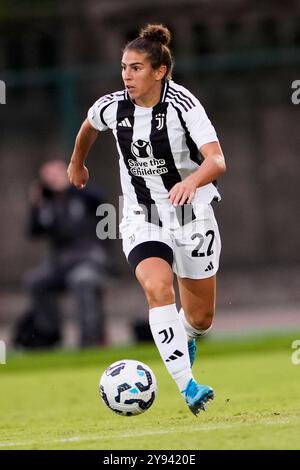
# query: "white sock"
(190, 330)
(171, 341)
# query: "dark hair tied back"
(154, 41)
(156, 32)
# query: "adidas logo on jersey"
(209, 267)
(124, 123)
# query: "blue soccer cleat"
(197, 396)
(192, 347)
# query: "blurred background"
(240, 58)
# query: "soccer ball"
(128, 387)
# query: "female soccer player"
(170, 159)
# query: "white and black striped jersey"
(158, 147)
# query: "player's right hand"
(78, 175)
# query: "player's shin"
(171, 341)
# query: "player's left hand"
(183, 192)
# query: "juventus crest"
(160, 119)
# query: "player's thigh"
(156, 278)
(149, 252)
(154, 271)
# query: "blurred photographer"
(77, 260)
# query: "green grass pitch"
(51, 401)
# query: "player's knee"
(203, 320)
(159, 292)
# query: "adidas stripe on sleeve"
(102, 112)
(192, 114)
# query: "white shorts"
(196, 246)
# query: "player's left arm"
(211, 168)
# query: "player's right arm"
(77, 172)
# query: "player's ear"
(160, 72)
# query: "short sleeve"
(200, 127)
(96, 115)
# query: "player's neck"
(150, 99)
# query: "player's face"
(141, 80)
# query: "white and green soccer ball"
(128, 387)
